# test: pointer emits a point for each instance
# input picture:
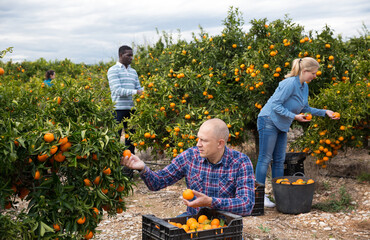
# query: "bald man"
(221, 178)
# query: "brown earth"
(351, 224)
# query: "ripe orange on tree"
(188, 194)
(42, 158)
(2, 71)
(37, 175)
(49, 137)
(96, 211)
(89, 235)
(147, 135)
(97, 180)
(65, 147)
(81, 220)
(107, 171)
(119, 210)
(63, 141)
(53, 149)
(87, 182)
(120, 188)
(56, 227)
(59, 157)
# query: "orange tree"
(230, 76)
(59, 149)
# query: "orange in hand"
(308, 116)
(336, 114)
(127, 153)
(188, 194)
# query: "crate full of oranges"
(207, 224)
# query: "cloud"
(92, 30)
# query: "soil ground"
(316, 224)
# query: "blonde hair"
(299, 64)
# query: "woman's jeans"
(272, 146)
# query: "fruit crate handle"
(295, 174)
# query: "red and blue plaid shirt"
(230, 182)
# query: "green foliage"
(233, 74)
(79, 108)
(16, 229)
(336, 203)
(364, 177)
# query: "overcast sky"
(91, 31)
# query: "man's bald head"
(218, 128)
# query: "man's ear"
(221, 143)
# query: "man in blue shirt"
(124, 83)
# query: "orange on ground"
(188, 194)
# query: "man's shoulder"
(115, 66)
(237, 156)
(131, 69)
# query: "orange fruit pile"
(297, 182)
(203, 223)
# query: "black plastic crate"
(294, 163)
(154, 228)
(259, 198)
